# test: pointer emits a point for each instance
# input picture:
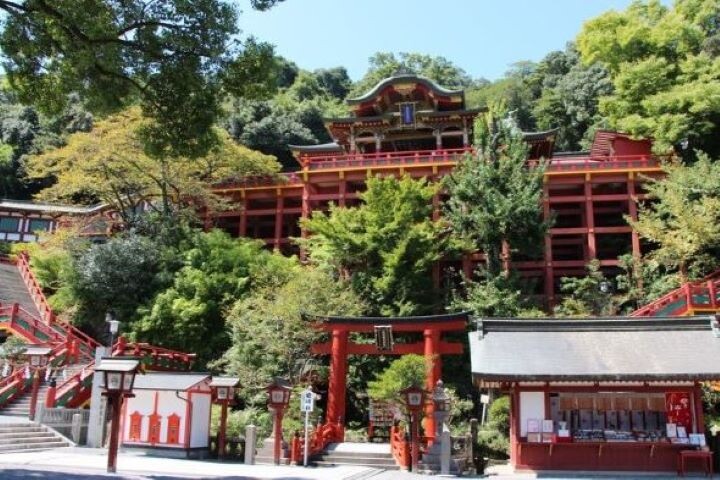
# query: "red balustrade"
(319, 439)
(700, 295)
(400, 447)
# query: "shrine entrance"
(339, 348)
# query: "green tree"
(683, 217)
(665, 70)
(591, 295)
(494, 197)
(216, 271)
(269, 336)
(386, 64)
(386, 247)
(569, 97)
(117, 276)
(108, 165)
(405, 372)
(176, 57)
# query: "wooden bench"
(706, 457)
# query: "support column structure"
(434, 373)
(589, 220)
(338, 380)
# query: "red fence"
(701, 295)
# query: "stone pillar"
(438, 139)
(76, 428)
(250, 441)
(98, 406)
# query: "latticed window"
(39, 225)
(9, 224)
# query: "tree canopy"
(108, 164)
(175, 57)
(683, 217)
(386, 247)
(665, 70)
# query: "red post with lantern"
(278, 401)
(223, 394)
(119, 378)
(37, 357)
(414, 397)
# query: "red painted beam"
(445, 348)
(446, 326)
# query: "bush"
(494, 437)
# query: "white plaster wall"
(142, 402)
(169, 403)
(200, 420)
(532, 406)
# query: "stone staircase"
(20, 407)
(371, 455)
(13, 289)
(18, 436)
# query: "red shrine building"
(408, 125)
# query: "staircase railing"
(399, 447)
(702, 294)
(14, 385)
(319, 438)
(28, 326)
(152, 357)
(74, 391)
(33, 287)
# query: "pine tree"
(495, 195)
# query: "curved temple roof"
(405, 78)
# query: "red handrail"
(400, 447)
(708, 284)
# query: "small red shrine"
(600, 393)
(432, 327)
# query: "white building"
(170, 412)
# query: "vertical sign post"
(307, 405)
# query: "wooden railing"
(28, 326)
(14, 385)
(319, 439)
(74, 391)
(452, 156)
(700, 295)
(400, 447)
(152, 357)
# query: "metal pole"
(116, 401)
(307, 421)
(223, 427)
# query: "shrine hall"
(409, 125)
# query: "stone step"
(28, 440)
(355, 459)
(20, 447)
(366, 465)
(14, 435)
(350, 455)
(20, 427)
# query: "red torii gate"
(431, 326)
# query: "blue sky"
(481, 36)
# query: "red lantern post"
(414, 402)
(38, 358)
(119, 376)
(278, 400)
(223, 389)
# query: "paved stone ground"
(76, 463)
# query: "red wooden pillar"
(338, 380)
(549, 275)
(279, 210)
(698, 406)
(514, 426)
(342, 190)
(434, 373)
(305, 211)
(632, 209)
(589, 221)
(243, 217)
